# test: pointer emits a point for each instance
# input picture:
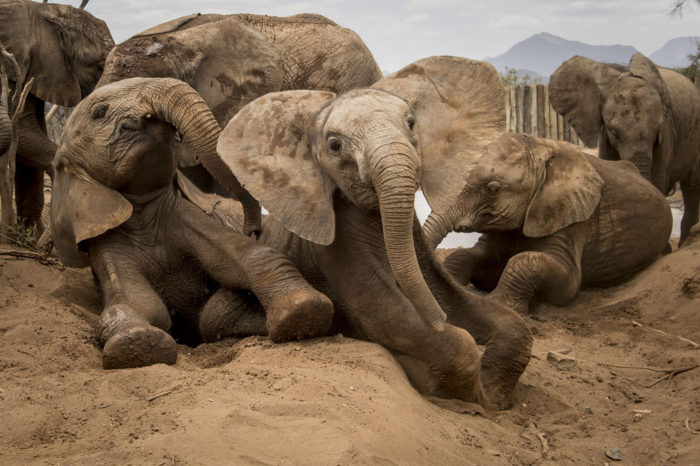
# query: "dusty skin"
(342, 401)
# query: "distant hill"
(544, 52)
(675, 52)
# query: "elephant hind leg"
(231, 313)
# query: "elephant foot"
(298, 315)
(137, 347)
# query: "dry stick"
(43, 259)
(635, 367)
(691, 342)
(687, 426)
(671, 374)
(543, 440)
(155, 397)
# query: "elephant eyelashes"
(99, 111)
(334, 145)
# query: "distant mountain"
(544, 52)
(675, 52)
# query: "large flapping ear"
(267, 146)
(575, 91)
(238, 65)
(569, 193)
(642, 67)
(459, 108)
(81, 209)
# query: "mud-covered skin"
(628, 229)
(643, 114)
(338, 175)
(63, 49)
(159, 258)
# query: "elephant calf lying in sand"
(338, 175)
(553, 219)
(160, 259)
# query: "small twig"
(691, 342)
(687, 426)
(671, 374)
(543, 440)
(155, 397)
(41, 258)
(635, 367)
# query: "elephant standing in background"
(338, 175)
(231, 60)
(553, 219)
(644, 114)
(63, 49)
(159, 259)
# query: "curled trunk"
(396, 183)
(181, 106)
(436, 227)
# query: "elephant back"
(629, 229)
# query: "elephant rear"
(629, 229)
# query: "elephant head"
(61, 47)
(296, 151)
(625, 112)
(522, 183)
(116, 155)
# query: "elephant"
(338, 174)
(231, 60)
(161, 262)
(552, 219)
(5, 131)
(644, 114)
(63, 49)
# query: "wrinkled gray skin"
(644, 114)
(338, 176)
(63, 49)
(5, 130)
(553, 219)
(231, 60)
(159, 259)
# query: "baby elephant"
(553, 219)
(159, 258)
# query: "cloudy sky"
(399, 32)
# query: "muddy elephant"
(338, 174)
(644, 114)
(553, 219)
(63, 49)
(230, 60)
(161, 261)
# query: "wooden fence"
(528, 111)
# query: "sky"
(401, 32)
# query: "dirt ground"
(633, 385)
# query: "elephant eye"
(411, 122)
(334, 145)
(493, 187)
(99, 111)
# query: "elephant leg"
(29, 189)
(481, 264)
(691, 203)
(134, 322)
(231, 313)
(506, 337)
(535, 273)
(294, 309)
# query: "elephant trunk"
(436, 227)
(395, 178)
(180, 105)
(5, 130)
(642, 160)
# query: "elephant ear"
(238, 65)
(267, 146)
(81, 209)
(569, 193)
(642, 67)
(575, 91)
(169, 26)
(459, 105)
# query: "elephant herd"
(165, 206)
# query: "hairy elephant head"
(294, 150)
(116, 149)
(625, 112)
(522, 183)
(61, 47)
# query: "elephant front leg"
(231, 313)
(691, 204)
(294, 309)
(133, 325)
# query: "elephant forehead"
(357, 109)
